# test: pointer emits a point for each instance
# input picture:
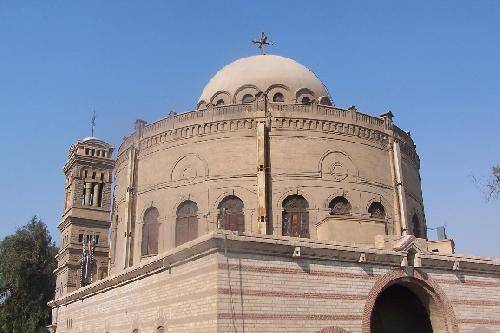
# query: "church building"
(266, 209)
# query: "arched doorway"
(408, 301)
(398, 309)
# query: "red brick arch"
(422, 282)
(332, 329)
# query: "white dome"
(262, 73)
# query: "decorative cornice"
(306, 124)
(239, 116)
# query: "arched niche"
(242, 93)
(337, 166)
(325, 100)
(304, 96)
(189, 167)
(275, 89)
(221, 98)
(201, 105)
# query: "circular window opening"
(278, 97)
(247, 98)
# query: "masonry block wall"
(265, 293)
(224, 283)
(182, 299)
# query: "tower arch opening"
(398, 309)
(408, 302)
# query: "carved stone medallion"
(338, 171)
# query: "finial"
(263, 40)
(92, 122)
(387, 114)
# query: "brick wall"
(182, 299)
(230, 283)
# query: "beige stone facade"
(322, 208)
(87, 206)
(224, 282)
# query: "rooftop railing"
(234, 111)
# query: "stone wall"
(316, 151)
(182, 298)
(223, 282)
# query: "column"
(400, 189)
(95, 197)
(88, 190)
(261, 179)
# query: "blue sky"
(435, 64)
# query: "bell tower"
(86, 216)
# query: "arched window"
(325, 101)
(376, 210)
(135, 331)
(305, 100)
(186, 226)
(160, 329)
(416, 228)
(231, 214)
(150, 226)
(278, 97)
(295, 216)
(219, 102)
(339, 206)
(247, 98)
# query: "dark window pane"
(248, 98)
(186, 227)
(305, 100)
(278, 97)
(340, 206)
(376, 210)
(295, 216)
(150, 227)
(325, 101)
(231, 216)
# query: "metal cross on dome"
(92, 123)
(263, 40)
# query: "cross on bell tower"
(262, 41)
